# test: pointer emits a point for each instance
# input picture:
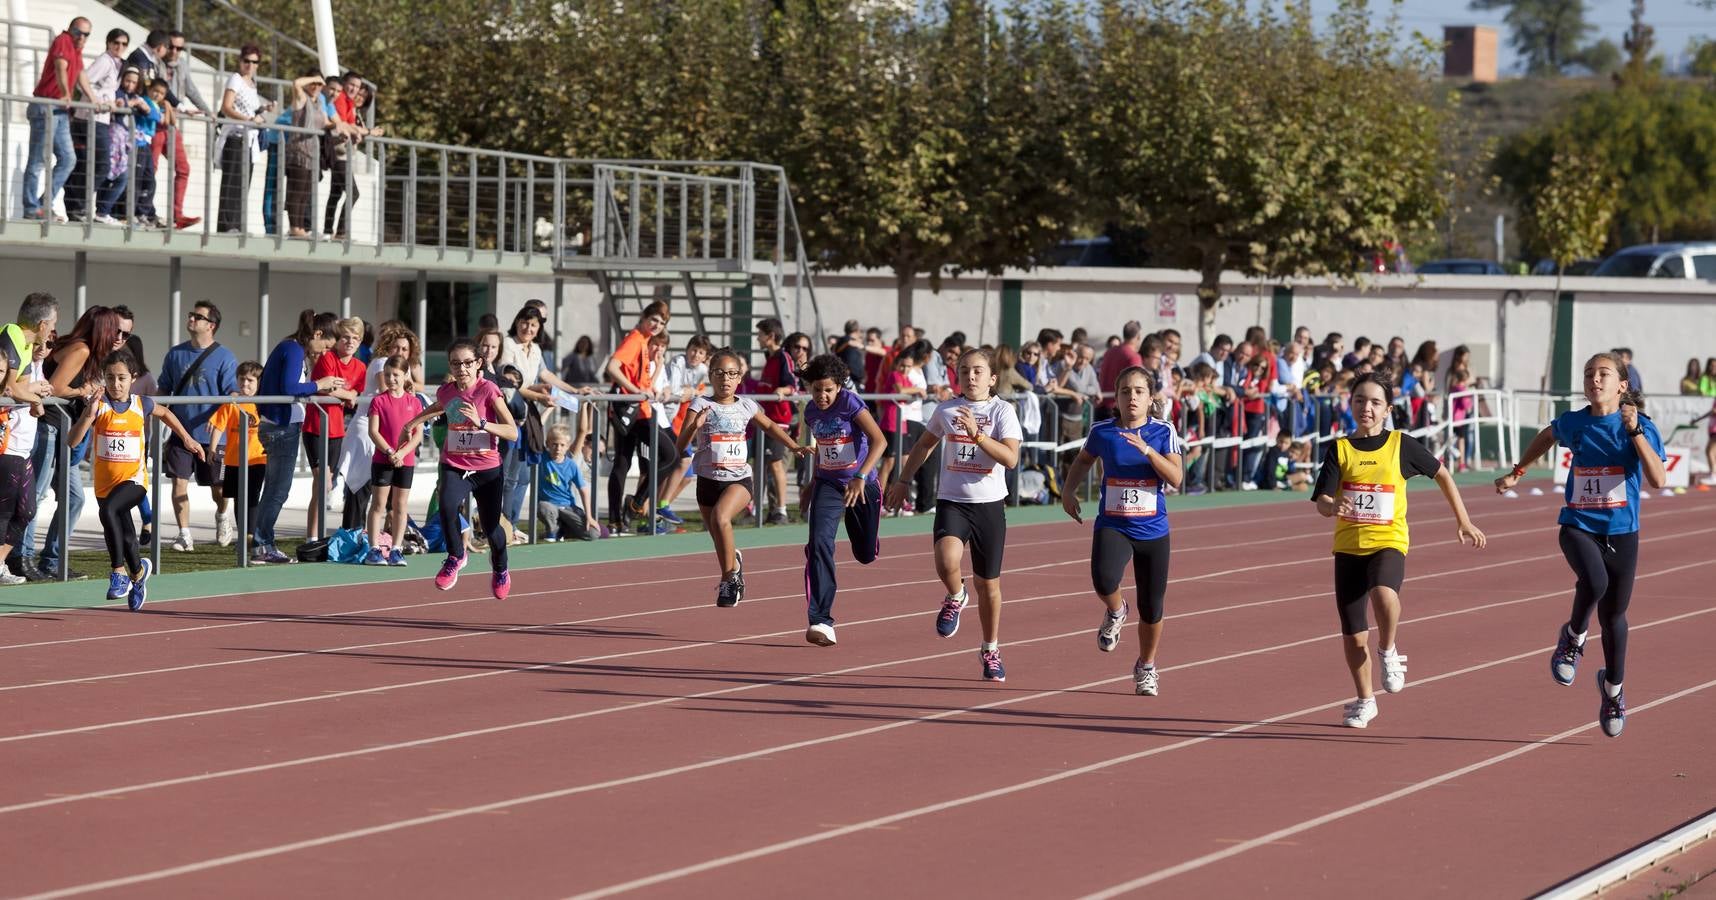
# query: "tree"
(1259, 141)
(1601, 58)
(1703, 53)
(1639, 40)
(1546, 33)
(1568, 216)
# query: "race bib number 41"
(1368, 504)
(1599, 487)
(1131, 498)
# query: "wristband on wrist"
(1519, 471)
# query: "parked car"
(1576, 267)
(1096, 251)
(1460, 267)
(1690, 261)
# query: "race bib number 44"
(1131, 498)
(1599, 487)
(1368, 504)
(963, 455)
(728, 451)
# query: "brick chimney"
(1469, 51)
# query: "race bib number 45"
(1131, 498)
(1599, 487)
(836, 454)
(1368, 504)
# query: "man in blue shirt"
(182, 375)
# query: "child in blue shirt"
(562, 496)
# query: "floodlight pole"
(326, 53)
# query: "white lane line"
(553, 720)
(1374, 802)
(310, 843)
(474, 631)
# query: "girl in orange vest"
(120, 419)
(1362, 485)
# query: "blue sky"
(1676, 22)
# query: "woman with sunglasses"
(238, 143)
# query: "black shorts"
(313, 449)
(384, 475)
(774, 451)
(980, 526)
(1355, 576)
(177, 462)
(710, 491)
(229, 479)
(1110, 551)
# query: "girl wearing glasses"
(715, 428)
(477, 419)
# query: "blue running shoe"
(992, 668)
(670, 515)
(1564, 661)
(1611, 711)
(947, 620)
(118, 586)
(395, 558)
(140, 586)
(374, 558)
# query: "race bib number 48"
(119, 447)
(1129, 497)
(1599, 487)
(1368, 504)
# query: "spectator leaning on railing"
(239, 142)
(91, 130)
(62, 77)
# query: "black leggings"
(645, 440)
(486, 485)
(1604, 566)
(116, 526)
(1110, 550)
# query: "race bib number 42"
(1599, 487)
(1129, 497)
(1368, 504)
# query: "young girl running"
(1140, 456)
(982, 435)
(1615, 446)
(849, 447)
(470, 462)
(120, 421)
(715, 428)
(1362, 485)
(394, 464)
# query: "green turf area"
(211, 570)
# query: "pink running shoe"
(449, 574)
(502, 584)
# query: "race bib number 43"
(1599, 487)
(1131, 498)
(1368, 504)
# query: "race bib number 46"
(1368, 504)
(1131, 498)
(836, 453)
(1599, 487)
(728, 451)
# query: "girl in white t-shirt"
(715, 430)
(981, 436)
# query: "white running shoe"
(1393, 670)
(184, 544)
(8, 579)
(1108, 633)
(1358, 713)
(226, 530)
(1145, 681)
(820, 634)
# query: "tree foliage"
(1547, 34)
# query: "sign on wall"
(1167, 308)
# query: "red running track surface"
(607, 730)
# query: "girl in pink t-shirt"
(395, 459)
(477, 419)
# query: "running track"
(608, 731)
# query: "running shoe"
(118, 586)
(667, 513)
(395, 558)
(727, 592)
(778, 517)
(1358, 713)
(739, 574)
(140, 586)
(1393, 670)
(1108, 633)
(226, 530)
(992, 668)
(9, 579)
(269, 556)
(1564, 661)
(821, 634)
(184, 544)
(1144, 679)
(374, 558)
(1611, 711)
(449, 574)
(501, 584)
(947, 620)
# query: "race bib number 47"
(1368, 504)
(1599, 487)
(1131, 498)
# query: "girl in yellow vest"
(117, 461)
(1362, 485)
